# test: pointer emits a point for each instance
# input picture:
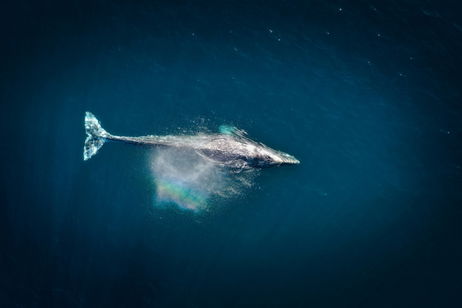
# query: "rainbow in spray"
(184, 178)
(188, 181)
(170, 190)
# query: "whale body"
(230, 148)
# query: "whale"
(230, 147)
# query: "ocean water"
(366, 94)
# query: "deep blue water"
(367, 94)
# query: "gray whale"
(230, 148)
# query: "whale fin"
(96, 136)
(232, 130)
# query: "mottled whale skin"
(230, 148)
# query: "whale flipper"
(232, 130)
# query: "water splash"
(185, 179)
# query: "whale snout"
(289, 159)
(280, 158)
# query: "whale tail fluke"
(96, 136)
